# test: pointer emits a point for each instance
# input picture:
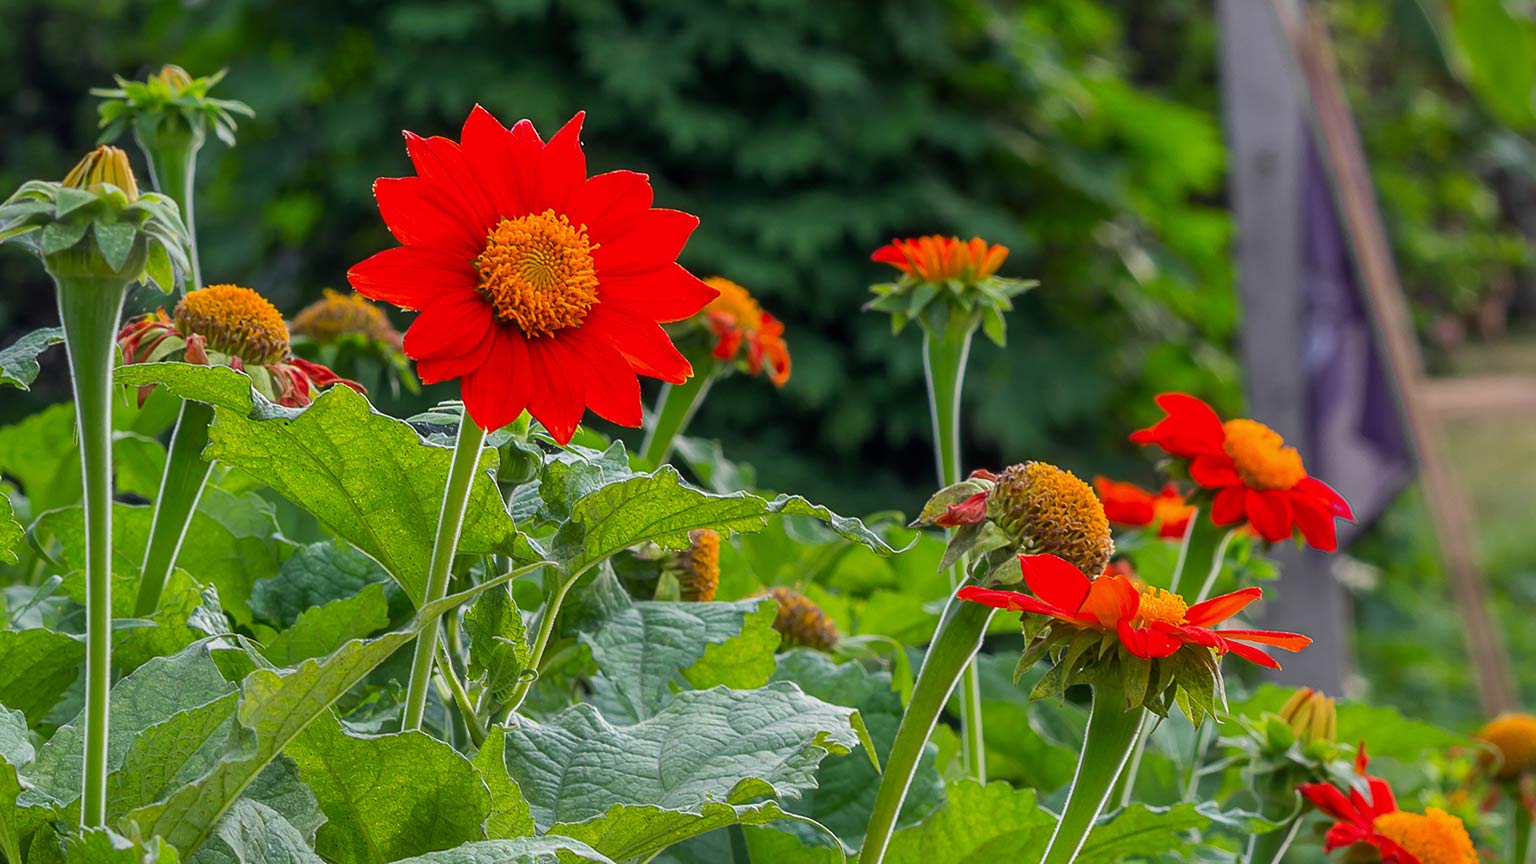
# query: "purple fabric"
(1358, 442)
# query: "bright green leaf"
(523, 850)
(36, 667)
(323, 629)
(977, 825)
(18, 361)
(510, 816)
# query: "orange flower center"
(235, 321)
(1262, 459)
(537, 273)
(1162, 607)
(1436, 837)
(338, 315)
(1049, 510)
(1514, 737)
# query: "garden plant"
(251, 616)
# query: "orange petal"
(1218, 609)
(1111, 600)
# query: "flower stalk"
(675, 407)
(172, 161)
(955, 643)
(540, 643)
(1112, 734)
(450, 521)
(1522, 825)
(181, 486)
(1271, 846)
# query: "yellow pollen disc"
(1263, 460)
(1161, 606)
(235, 321)
(1436, 837)
(537, 273)
(1514, 737)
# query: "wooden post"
(1265, 112)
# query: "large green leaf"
(253, 833)
(523, 850)
(1142, 832)
(17, 819)
(1497, 56)
(187, 612)
(499, 654)
(105, 846)
(645, 649)
(705, 760)
(18, 361)
(36, 667)
(389, 796)
(510, 816)
(315, 575)
(977, 825)
(40, 453)
(155, 691)
(323, 629)
(368, 477)
(170, 754)
(11, 531)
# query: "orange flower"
(736, 319)
(1129, 504)
(1150, 622)
(935, 258)
(1256, 478)
(1399, 837)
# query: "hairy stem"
(89, 308)
(944, 357)
(450, 678)
(180, 488)
(1112, 733)
(955, 642)
(450, 519)
(540, 643)
(675, 407)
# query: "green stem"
(450, 678)
(944, 357)
(955, 641)
(450, 519)
(172, 167)
(1217, 558)
(89, 308)
(1522, 825)
(675, 408)
(1112, 733)
(1271, 846)
(540, 643)
(180, 488)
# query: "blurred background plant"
(1082, 134)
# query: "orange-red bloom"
(1131, 505)
(936, 258)
(1434, 837)
(1256, 478)
(1150, 622)
(540, 287)
(228, 325)
(736, 320)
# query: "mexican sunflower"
(737, 321)
(936, 258)
(539, 287)
(1151, 623)
(1399, 837)
(1256, 478)
(228, 325)
(1130, 505)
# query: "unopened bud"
(173, 77)
(105, 164)
(1311, 715)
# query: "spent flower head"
(697, 568)
(228, 325)
(97, 223)
(947, 285)
(349, 333)
(800, 622)
(170, 103)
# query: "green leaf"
(11, 532)
(630, 790)
(105, 846)
(137, 463)
(389, 796)
(115, 240)
(170, 754)
(510, 816)
(18, 361)
(67, 200)
(368, 477)
(253, 833)
(977, 825)
(322, 629)
(1497, 57)
(1140, 831)
(154, 692)
(523, 850)
(642, 650)
(36, 667)
(58, 236)
(315, 575)
(498, 641)
(17, 819)
(39, 452)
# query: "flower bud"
(172, 77)
(1048, 510)
(105, 164)
(1311, 716)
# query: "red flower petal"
(441, 165)
(1329, 800)
(648, 243)
(1192, 428)
(608, 203)
(1292, 642)
(1325, 495)
(561, 397)
(444, 328)
(1316, 526)
(1218, 609)
(613, 392)
(1214, 471)
(1269, 512)
(419, 216)
(1054, 580)
(643, 343)
(1228, 507)
(1111, 599)
(668, 294)
(565, 166)
(446, 367)
(496, 393)
(411, 277)
(494, 156)
(1252, 655)
(1013, 601)
(969, 512)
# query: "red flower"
(1256, 478)
(1434, 837)
(736, 319)
(1129, 504)
(936, 258)
(540, 287)
(1151, 622)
